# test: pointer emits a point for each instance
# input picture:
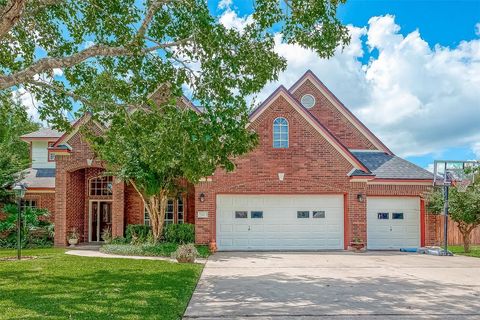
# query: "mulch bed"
(15, 258)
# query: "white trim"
(366, 150)
(294, 103)
(368, 135)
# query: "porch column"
(60, 218)
(118, 208)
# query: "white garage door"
(393, 222)
(279, 222)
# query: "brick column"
(118, 208)
(60, 207)
(357, 212)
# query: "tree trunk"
(466, 241)
(156, 207)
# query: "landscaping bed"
(60, 286)
(163, 249)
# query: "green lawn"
(60, 286)
(474, 251)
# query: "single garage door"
(279, 222)
(393, 222)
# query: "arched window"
(101, 186)
(280, 133)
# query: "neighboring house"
(318, 179)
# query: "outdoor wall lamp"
(202, 197)
(360, 197)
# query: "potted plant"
(358, 244)
(186, 253)
(73, 237)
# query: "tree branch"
(99, 50)
(10, 15)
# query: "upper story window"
(280, 133)
(51, 156)
(308, 101)
(101, 186)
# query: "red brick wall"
(311, 165)
(333, 119)
(44, 201)
(133, 206)
(75, 214)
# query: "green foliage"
(464, 209)
(14, 153)
(179, 233)
(119, 240)
(37, 230)
(163, 249)
(137, 233)
(127, 48)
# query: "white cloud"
(224, 4)
(57, 72)
(31, 104)
(231, 20)
(416, 97)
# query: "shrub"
(37, 230)
(186, 253)
(179, 233)
(107, 235)
(119, 240)
(163, 249)
(137, 233)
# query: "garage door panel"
(393, 233)
(280, 228)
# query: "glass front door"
(100, 219)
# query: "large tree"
(14, 153)
(113, 54)
(128, 47)
(464, 209)
(162, 149)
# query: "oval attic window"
(308, 101)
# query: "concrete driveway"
(339, 285)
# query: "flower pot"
(72, 242)
(357, 246)
(185, 260)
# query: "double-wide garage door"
(279, 222)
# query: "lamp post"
(19, 191)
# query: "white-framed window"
(308, 101)
(180, 209)
(383, 216)
(170, 210)
(146, 217)
(51, 156)
(280, 133)
(101, 186)
(28, 203)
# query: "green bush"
(37, 230)
(179, 233)
(119, 240)
(137, 233)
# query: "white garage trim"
(393, 222)
(280, 222)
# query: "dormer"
(40, 141)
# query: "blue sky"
(411, 73)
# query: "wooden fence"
(454, 235)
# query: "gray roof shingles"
(386, 166)
(43, 133)
(39, 177)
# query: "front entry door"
(100, 219)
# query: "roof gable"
(283, 92)
(338, 105)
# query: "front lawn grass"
(474, 251)
(60, 286)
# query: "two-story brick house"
(318, 179)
